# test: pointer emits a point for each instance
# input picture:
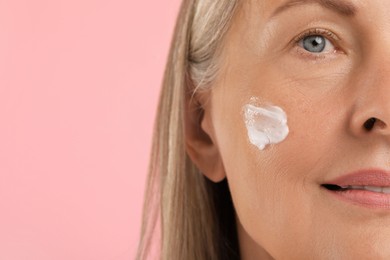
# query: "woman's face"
(326, 63)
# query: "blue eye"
(314, 43)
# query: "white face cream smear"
(266, 125)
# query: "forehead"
(256, 12)
(273, 7)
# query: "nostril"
(369, 124)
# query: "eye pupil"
(314, 43)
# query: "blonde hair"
(196, 215)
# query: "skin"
(282, 211)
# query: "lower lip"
(365, 198)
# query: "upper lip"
(366, 177)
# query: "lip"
(365, 198)
(373, 177)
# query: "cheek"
(254, 176)
(269, 186)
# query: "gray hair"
(177, 194)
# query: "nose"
(371, 109)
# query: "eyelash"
(333, 38)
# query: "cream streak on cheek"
(266, 125)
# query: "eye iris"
(314, 43)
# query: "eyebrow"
(341, 7)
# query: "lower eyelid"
(314, 56)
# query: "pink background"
(79, 82)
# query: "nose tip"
(370, 121)
(369, 109)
